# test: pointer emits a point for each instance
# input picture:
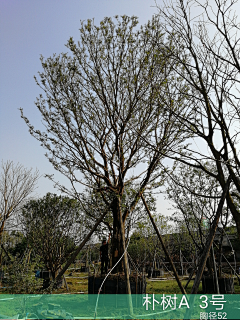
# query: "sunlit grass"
(78, 283)
(168, 286)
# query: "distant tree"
(20, 274)
(16, 185)
(50, 225)
(195, 196)
(101, 107)
(144, 247)
(20, 244)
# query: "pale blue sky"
(29, 28)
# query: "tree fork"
(164, 248)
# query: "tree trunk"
(117, 241)
(1, 232)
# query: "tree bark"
(118, 238)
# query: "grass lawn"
(168, 286)
(78, 283)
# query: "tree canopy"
(16, 185)
(103, 104)
(49, 227)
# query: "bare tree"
(205, 46)
(101, 104)
(16, 185)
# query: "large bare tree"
(101, 107)
(16, 185)
(205, 46)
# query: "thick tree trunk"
(117, 241)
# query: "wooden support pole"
(125, 259)
(126, 266)
(210, 238)
(215, 270)
(65, 282)
(76, 252)
(190, 277)
(164, 248)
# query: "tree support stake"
(210, 238)
(164, 248)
